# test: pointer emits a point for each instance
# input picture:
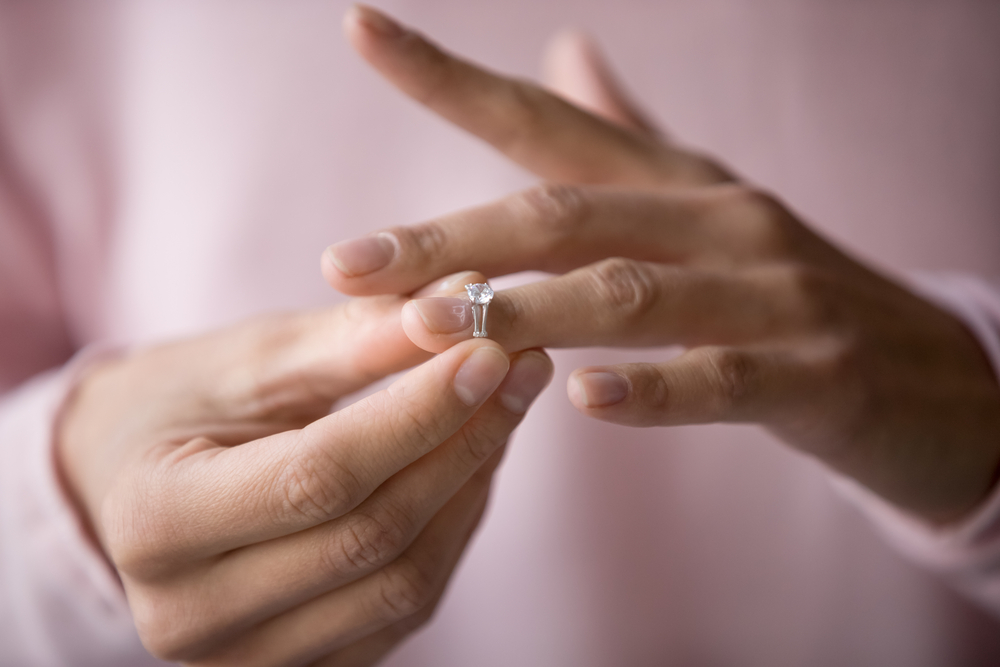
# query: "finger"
(536, 129)
(367, 344)
(283, 371)
(704, 385)
(576, 69)
(277, 370)
(451, 285)
(558, 228)
(400, 592)
(211, 499)
(621, 302)
(252, 584)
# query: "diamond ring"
(480, 294)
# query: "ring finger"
(621, 302)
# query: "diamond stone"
(480, 293)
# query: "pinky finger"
(703, 385)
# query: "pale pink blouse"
(169, 166)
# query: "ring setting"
(480, 294)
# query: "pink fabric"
(61, 603)
(167, 166)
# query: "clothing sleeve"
(62, 606)
(60, 603)
(966, 554)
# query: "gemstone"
(480, 293)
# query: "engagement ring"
(480, 294)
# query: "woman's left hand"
(655, 245)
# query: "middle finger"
(558, 228)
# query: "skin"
(652, 244)
(251, 526)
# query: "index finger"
(540, 131)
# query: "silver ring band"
(480, 294)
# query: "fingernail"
(378, 22)
(444, 315)
(480, 374)
(600, 389)
(528, 376)
(358, 257)
(459, 280)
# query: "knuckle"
(523, 115)
(732, 375)
(166, 634)
(653, 389)
(316, 487)
(476, 441)
(751, 200)
(628, 289)
(365, 542)
(406, 590)
(555, 207)
(254, 383)
(130, 540)
(420, 619)
(436, 65)
(855, 373)
(423, 242)
(765, 224)
(416, 424)
(811, 294)
(139, 537)
(851, 363)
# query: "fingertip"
(481, 373)
(361, 18)
(596, 388)
(575, 393)
(435, 324)
(530, 372)
(567, 42)
(415, 329)
(568, 61)
(451, 285)
(328, 267)
(576, 67)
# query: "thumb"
(574, 67)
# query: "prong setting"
(480, 294)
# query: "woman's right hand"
(251, 527)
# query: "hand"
(659, 246)
(251, 527)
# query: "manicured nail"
(444, 315)
(457, 282)
(528, 375)
(599, 389)
(480, 374)
(358, 257)
(378, 22)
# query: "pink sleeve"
(967, 554)
(60, 603)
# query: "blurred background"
(187, 161)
